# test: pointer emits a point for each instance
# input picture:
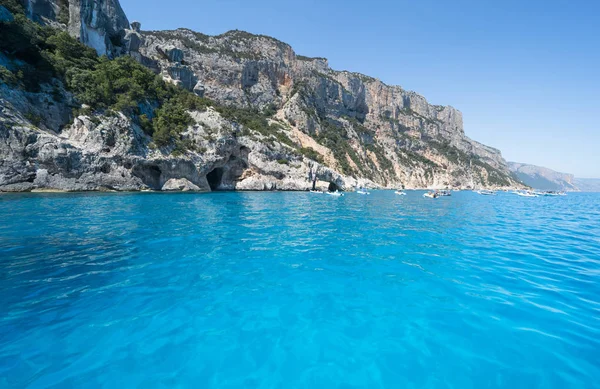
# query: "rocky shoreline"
(271, 118)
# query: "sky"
(524, 73)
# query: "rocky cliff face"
(110, 152)
(348, 128)
(358, 124)
(97, 23)
(543, 178)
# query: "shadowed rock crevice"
(215, 178)
(170, 175)
(149, 174)
(226, 175)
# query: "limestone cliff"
(349, 128)
(112, 153)
(358, 124)
(97, 23)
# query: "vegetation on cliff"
(40, 58)
(44, 54)
(41, 55)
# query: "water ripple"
(296, 290)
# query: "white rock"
(180, 185)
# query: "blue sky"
(524, 73)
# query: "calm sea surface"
(299, 290)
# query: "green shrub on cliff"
(45, 54)
(63, 12)
(311, 153)
(257, 121)
(65, 52)
(8, 77)
(170, 121)
(122, 84)
(335, 137)
(25, 42)
(119, 84)
(14, 6)
(384, 162)
(250, 118)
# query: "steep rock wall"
(416, 143)
(361, 130)
(97, 23)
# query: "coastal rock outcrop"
(362, 126)
(180, 185)
(301, 117)
(100, 153)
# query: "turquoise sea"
(299, 290)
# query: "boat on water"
(362, 191)
(486, 192)
(316, 191)
(400, 193)
(335, 194)
(444, 193)
(526, 193)
(550, 193)
(431, 195)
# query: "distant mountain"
(588, 184)
(543, 178)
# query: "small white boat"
(335, 194)
(431, 195)
(362, 192)
(316, 191)
(485, 192)
(526, 194)
(549, 193)
(400, 193)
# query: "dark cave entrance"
(149, 174)
(333, 187)
(215, 178)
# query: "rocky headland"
(183, 111)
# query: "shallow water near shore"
(299, 290)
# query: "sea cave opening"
(333, 187)
(215, 178)
(149, 174)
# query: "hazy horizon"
(524, 75)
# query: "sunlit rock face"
(396, 136)
(97, 23)
(346, 128)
